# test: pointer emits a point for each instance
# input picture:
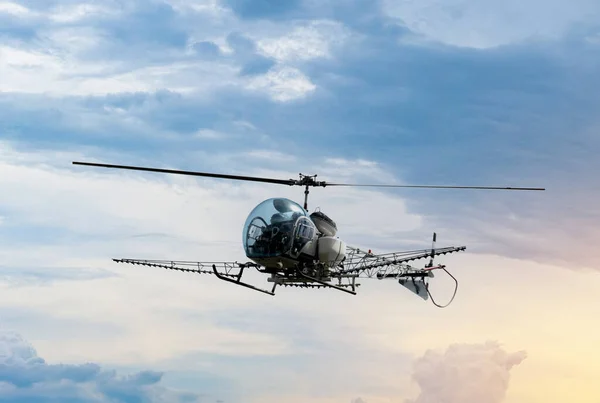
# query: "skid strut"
(239, 282)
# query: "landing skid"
(227, 271)
(238, 281)
(358, 264)
(286, 281)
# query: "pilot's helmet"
(277, 218)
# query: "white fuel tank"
(332, 251)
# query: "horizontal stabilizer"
(416, 286)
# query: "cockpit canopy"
(277, 227)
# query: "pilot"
(282, 223)
(278, 218)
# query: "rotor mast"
(307, 181)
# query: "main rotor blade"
(438, 187)
(191, 173)
(290, 182)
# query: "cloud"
(210, 134)
(71, 57)
(341, 89)
(200, 316)
(77, 12)
(465, 373)
(330, 103)
(480, 24)
(384, 114)
(262, 8)
(305, 42)
(13, 8)
(283, 84)
(27, 377)
(41, 173)
(23, 276)
(56, 75)
(124, 214)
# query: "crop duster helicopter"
(298, 249)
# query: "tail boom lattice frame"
(369, 265)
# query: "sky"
(460, 92)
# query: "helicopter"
(297, 249)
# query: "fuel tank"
(332, 251)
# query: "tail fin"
(416, 286)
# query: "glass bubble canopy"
(276, 227)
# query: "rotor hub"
(309, 180)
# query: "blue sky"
(459, 92)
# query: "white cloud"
(283, 84)
(211, 7)
(210, 134)
(357, 171)
(59, 62)
(270, 156)
(482, 24)
(244, 125)
(465, 373)
(306, 41)
(62, 14)
(67, 44)
(16, 9)
(62, 73)
(77, 12)
(36, 72)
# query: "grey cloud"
(246, 54)
(257, 9)
(207, 49)
(26, 377)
